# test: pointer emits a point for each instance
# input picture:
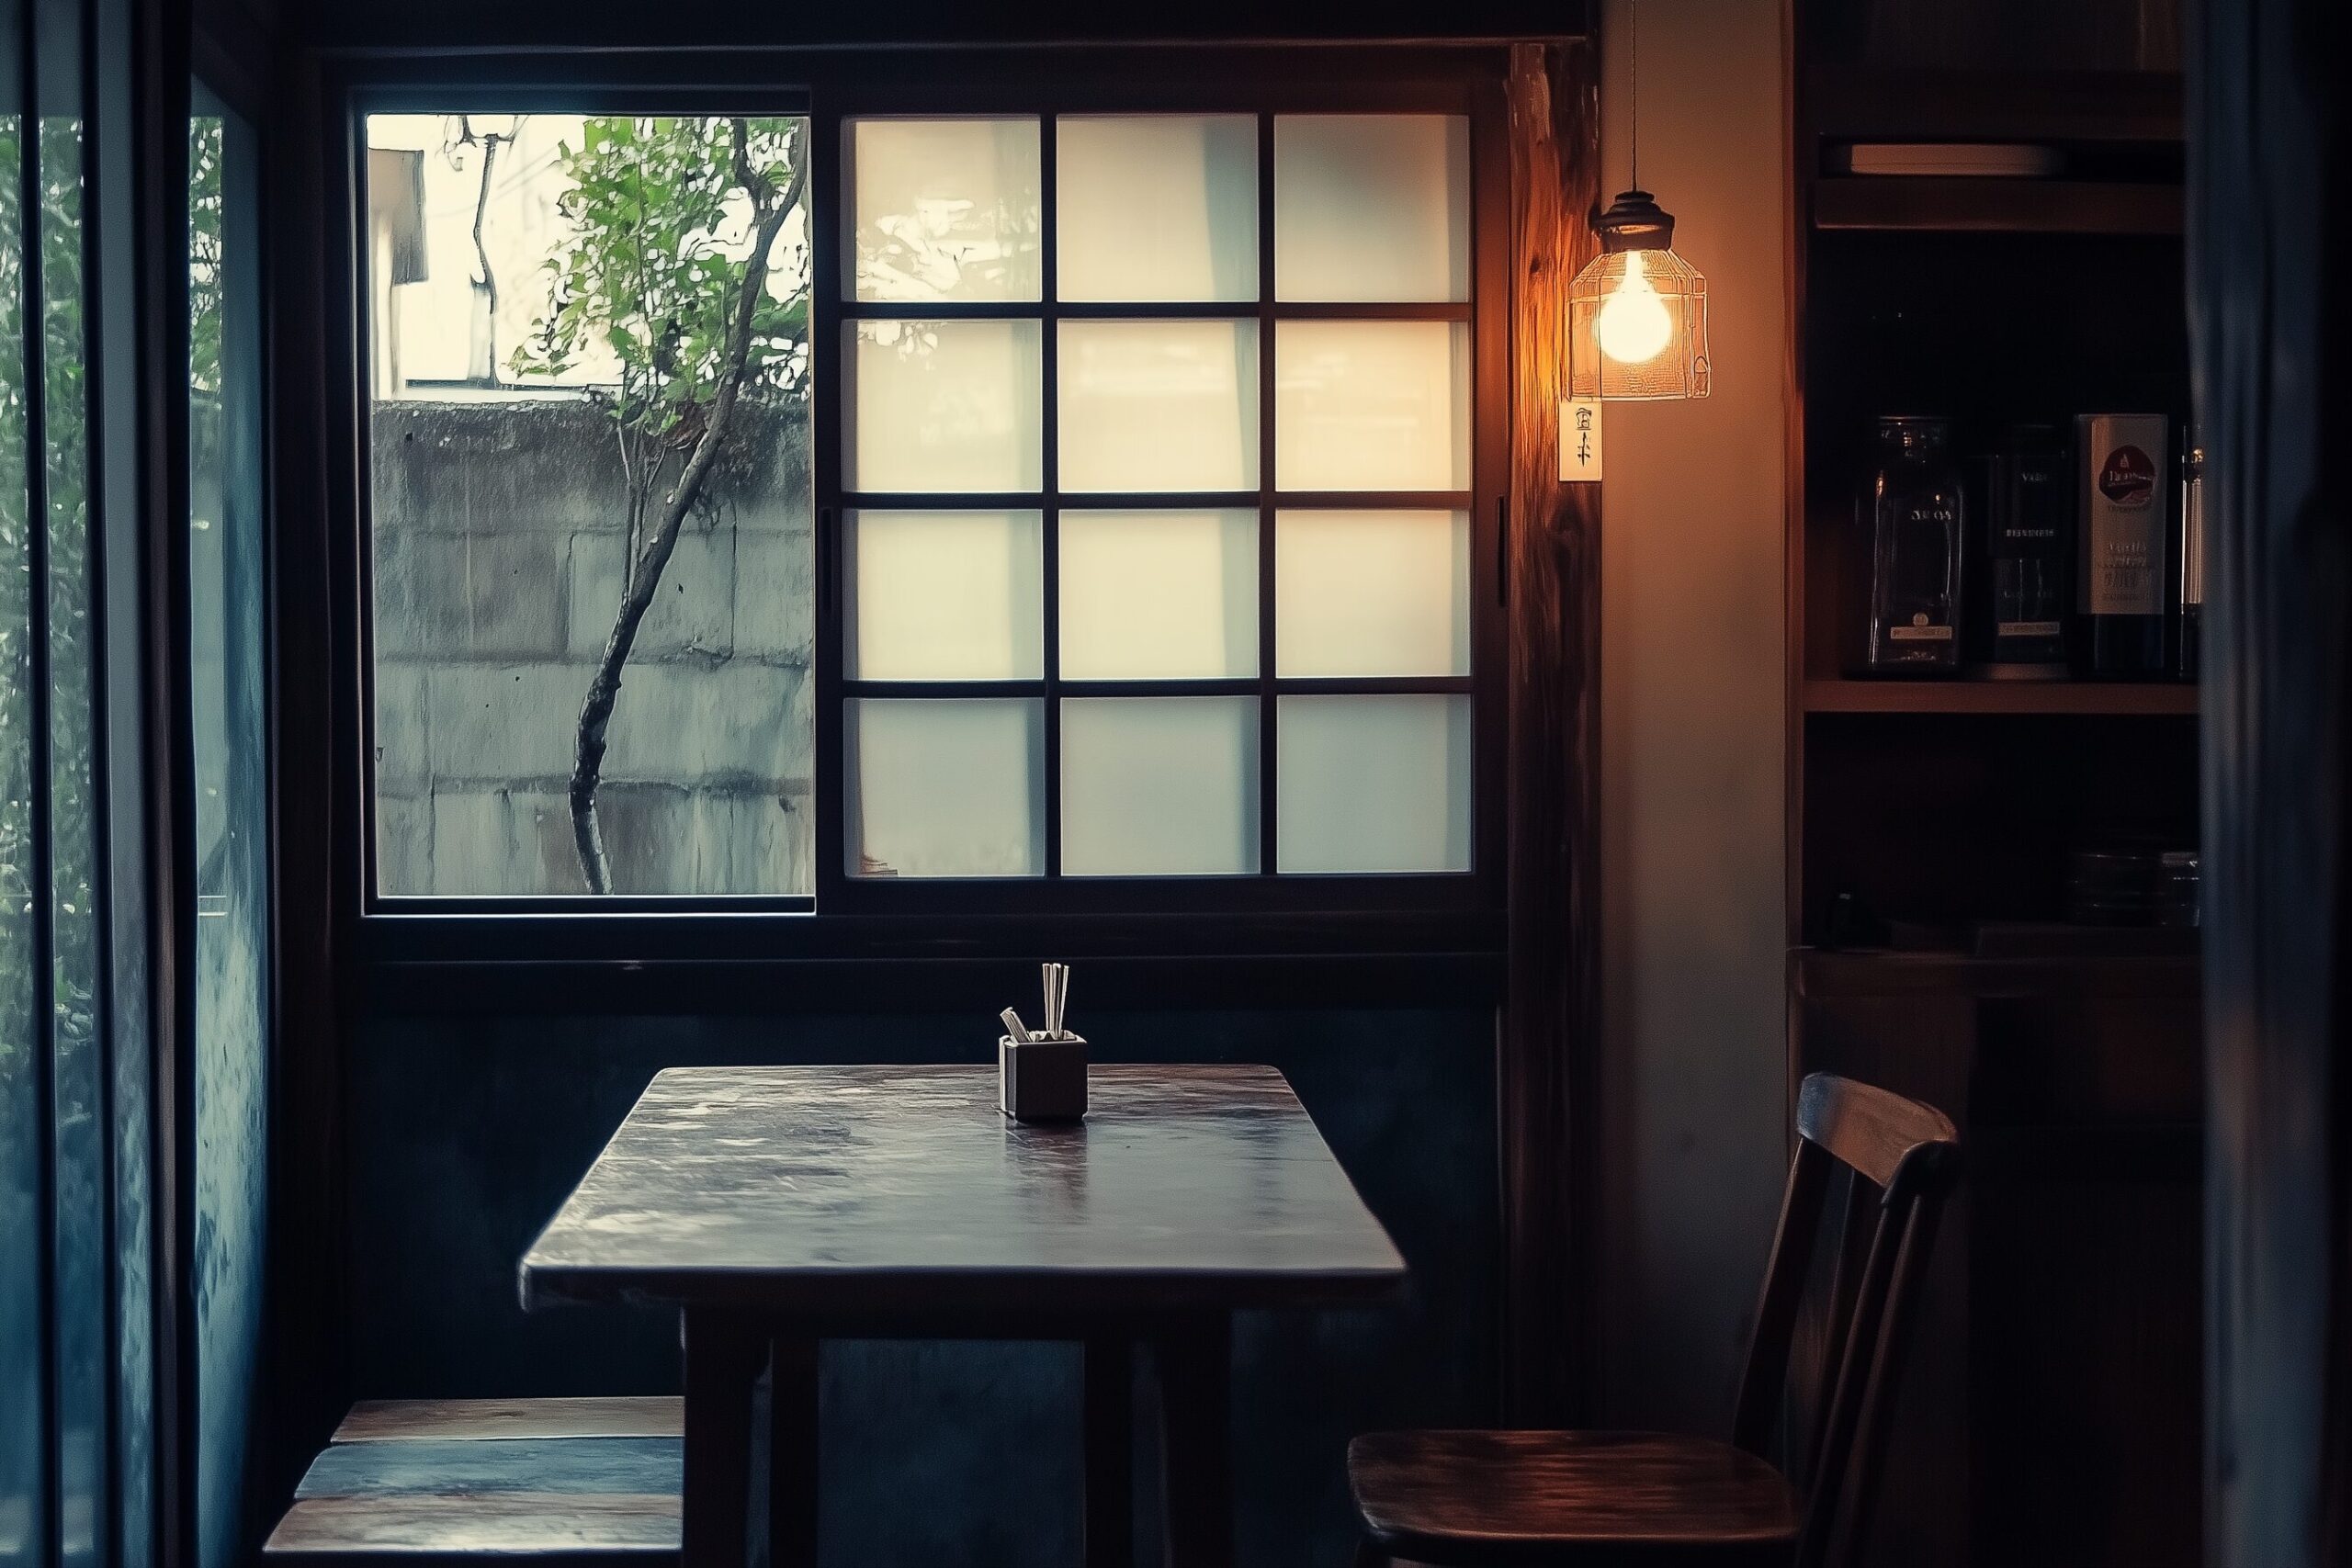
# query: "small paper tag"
(1579, 438)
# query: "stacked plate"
(1976, 160)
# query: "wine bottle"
(1917, 521)
(2121, 584)
(2192, 560)
(2029, 544)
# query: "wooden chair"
(1620, 1499)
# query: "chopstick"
(1056, 977)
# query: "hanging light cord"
(1633, 91)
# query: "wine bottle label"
(2123, 519)
(1919, 630)
(2028, 629)
(2032, 522)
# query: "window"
(1097, 517)
(554, 314)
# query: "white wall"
(1692, 741)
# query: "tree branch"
(488, 283)
(770, 207)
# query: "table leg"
(1196, 1364)
(1110, 1452)
(792, 1453)
(722, 1364)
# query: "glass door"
(59, 1135)
(228, 695)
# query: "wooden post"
(1193, 1360)
(1109, 1531)
(2270, 181)
(722, 1360)
(1550, 1014)
(794, 1474)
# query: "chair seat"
(1570, 1497)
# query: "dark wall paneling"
(1552, 588)
(2270, 182)
(717, 23)
(466, 1134)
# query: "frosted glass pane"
(1372, 593)
(1372, 783)
(1372, 206)
(945, 208)
(945, 595)
(1159, 595)
(1159, 405)
(1372, 405)
(943, 407)
(947, 788)
(1160, 786)
(1157, 206)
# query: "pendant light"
(1637, 313)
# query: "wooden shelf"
(1937, 204)
(1820, 973)
(1852, 103)
(2166, 697)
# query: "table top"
(903, 1190)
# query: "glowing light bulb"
(1633, 325)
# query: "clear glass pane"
(945, 595)
(1160, 786)
(501, 528)
(947, 788)
(1159, 406)
(1372, 405)
(25, 1119)
(229, 702)
(1157, 206)
(1372, 206)
(1159, 595)
(945, 407)
(81, 1350)
(945, 208)
(1372, 783)
(1372, 593)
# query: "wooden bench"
(564, 1482)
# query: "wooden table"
(780, 1206)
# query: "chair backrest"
(1903, 1157)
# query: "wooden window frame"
(1456, 916)
(1267, 888)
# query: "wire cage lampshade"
(1637, 313)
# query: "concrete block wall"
(500, 547)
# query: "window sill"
(730, 963)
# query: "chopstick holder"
(1040, 1079)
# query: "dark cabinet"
(2051, 1413)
